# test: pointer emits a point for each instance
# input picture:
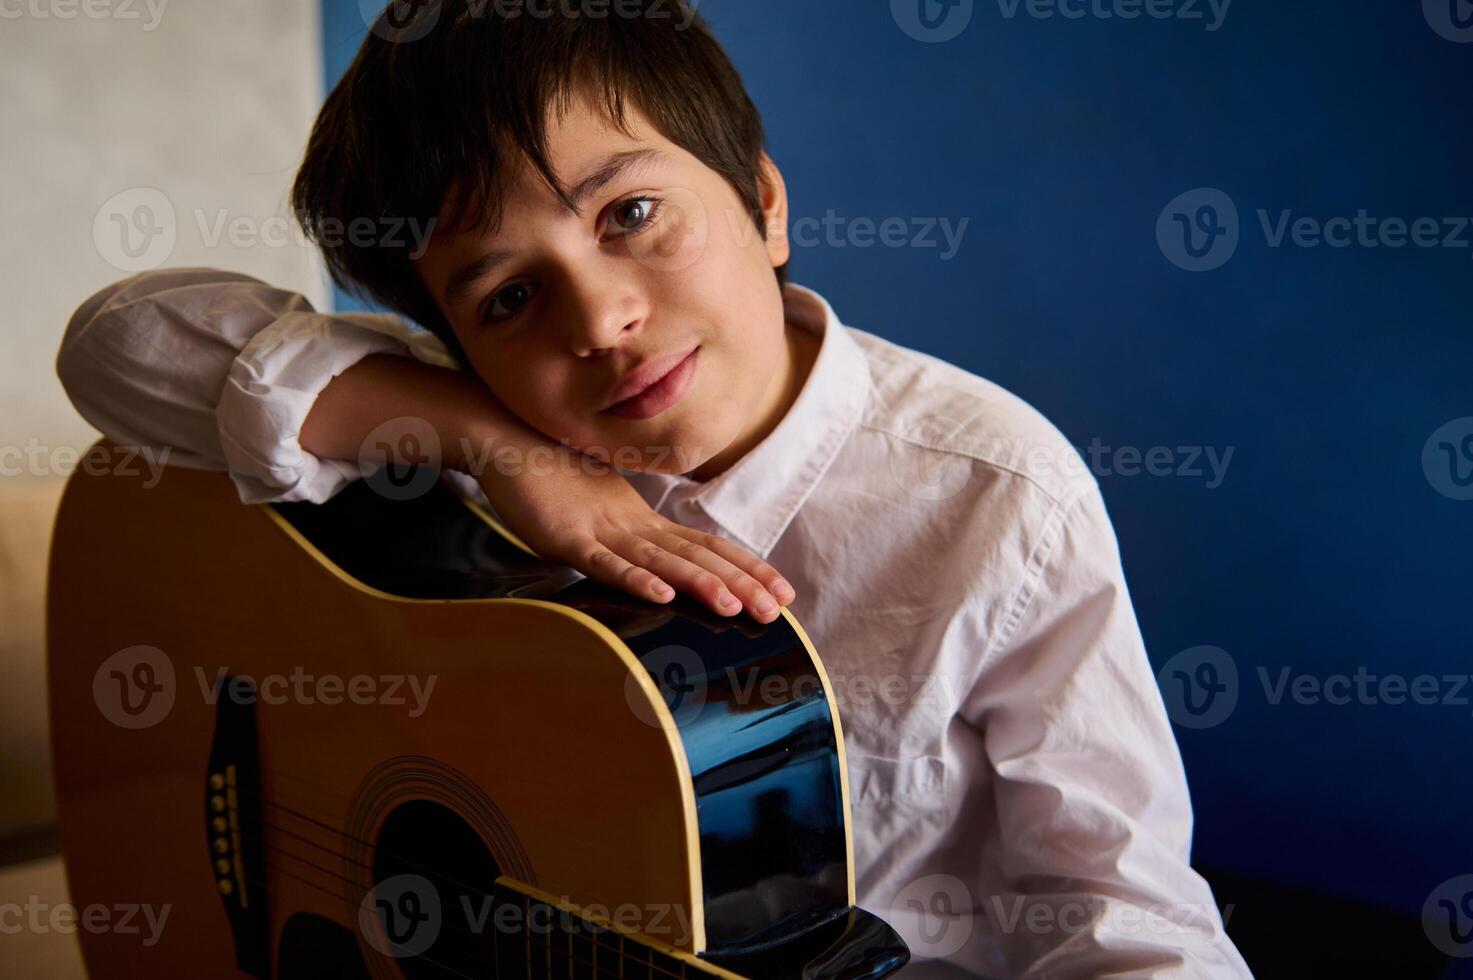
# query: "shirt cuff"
(273, 384)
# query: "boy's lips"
(654, 386)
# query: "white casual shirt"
(1019, 804)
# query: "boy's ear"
(774, 195)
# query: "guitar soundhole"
(434, 884)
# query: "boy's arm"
(1088, 857)
(224, 370)
(230, 373)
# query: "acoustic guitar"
(379, 737)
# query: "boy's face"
(663, 261)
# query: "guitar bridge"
(233, 825)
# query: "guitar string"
(356, 840)
(526, 937)
(429, 872)
(620, 951)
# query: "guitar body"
(379, 738)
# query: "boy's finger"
(684, 575)
(759, 602)
(760, 570)
(603, 565)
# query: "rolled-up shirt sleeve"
(1087, 866)
(222, 370)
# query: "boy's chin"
(671, 459)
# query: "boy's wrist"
(395, 406)
(479, 427)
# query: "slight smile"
(660, 395)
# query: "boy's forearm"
(462, 412)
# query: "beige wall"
(207, 102)
(199, 107)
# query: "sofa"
(31, 872)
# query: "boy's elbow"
(87, 362)
(75, 363)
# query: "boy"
(608, 257)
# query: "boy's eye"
(634, 215)
(629, 218)
(510, 300)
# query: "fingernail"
(726, 600)
(661, 589)
(785, 590)
(766, 605)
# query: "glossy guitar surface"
(378, 738)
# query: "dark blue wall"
(1326, 547)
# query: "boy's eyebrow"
(609, 169)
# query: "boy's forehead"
(586, 149)
(582, 133)
(582, 139)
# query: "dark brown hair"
(448, 97)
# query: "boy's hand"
(587, 516)
(583, 514)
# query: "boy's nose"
(602, 316)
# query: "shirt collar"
(756, 498)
